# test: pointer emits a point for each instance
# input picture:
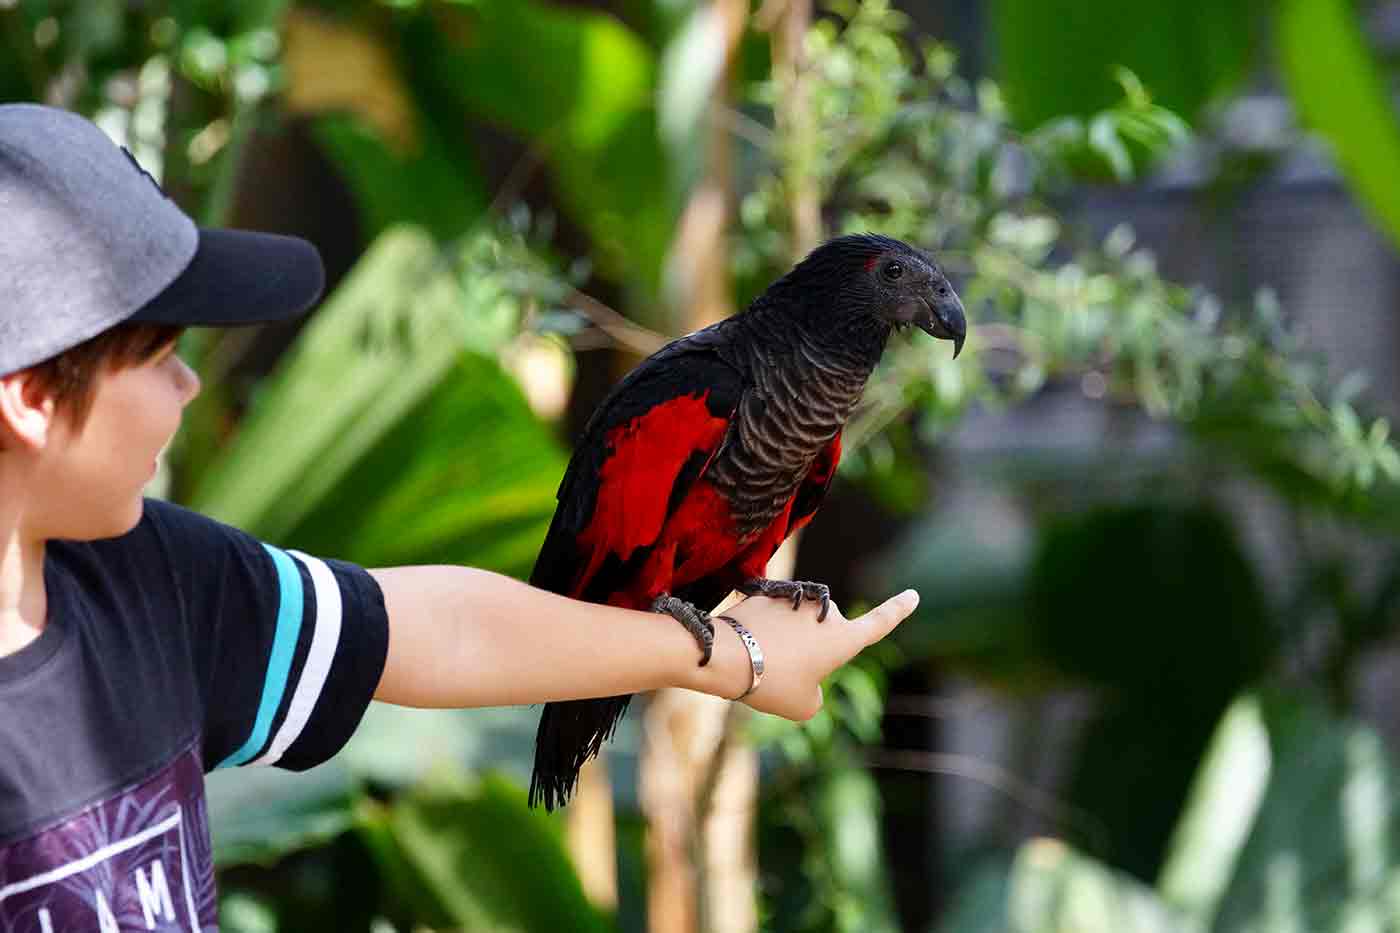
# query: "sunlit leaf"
(1341, 92)
(1223, 804)
(380, 345)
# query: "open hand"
(799, 652)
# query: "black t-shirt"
(178, 648)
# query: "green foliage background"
(1223, 782)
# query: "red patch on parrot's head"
(870, 263)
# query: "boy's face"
(88, 481)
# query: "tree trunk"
(591, 833)
(699, 792)
(788, 22)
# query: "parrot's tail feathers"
(570, 733)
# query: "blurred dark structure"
(1255, 205)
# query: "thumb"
(882, 620)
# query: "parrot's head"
(871, 279)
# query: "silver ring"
(755, 654)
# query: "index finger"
(883, 618)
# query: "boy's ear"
(27, 411)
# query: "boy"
(142, 645)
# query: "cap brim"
(240, 277)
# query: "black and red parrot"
(717, 447)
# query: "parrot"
(704, 458)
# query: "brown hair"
(71, 376)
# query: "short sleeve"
(288, 648)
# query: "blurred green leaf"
(244, 912)
(1222, 806)
(1103, 139)
(396, 746)
(466, 476)
(472, 856)
(1058, 57)
(1051, 888)
(1341, 92)
(436, 186)
(822, 858)
(258, 14)
(849, 808)
(260, 815)
(862, 699)
(590, 116)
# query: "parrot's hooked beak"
(940, 316)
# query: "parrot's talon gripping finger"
(697, 623)
(796, 590)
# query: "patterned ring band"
(755, 654)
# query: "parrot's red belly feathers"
(697, 542)
(686, 541)
(635, 492)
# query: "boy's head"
(99, 273)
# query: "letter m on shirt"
(154, 893)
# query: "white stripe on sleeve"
(324, 639)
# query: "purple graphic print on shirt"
(139, 860)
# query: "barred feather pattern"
(804, 389)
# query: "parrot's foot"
(697, 623)
(795, 590)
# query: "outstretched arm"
(461, 637)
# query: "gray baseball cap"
(88, 240)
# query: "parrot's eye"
(894, 271)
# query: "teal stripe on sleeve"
(290, 607)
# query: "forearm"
(463, 637)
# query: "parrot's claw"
(795, 590)
(697, 623)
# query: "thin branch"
(518, 177)
(745, 127)
(632, 336)
(994, 776)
